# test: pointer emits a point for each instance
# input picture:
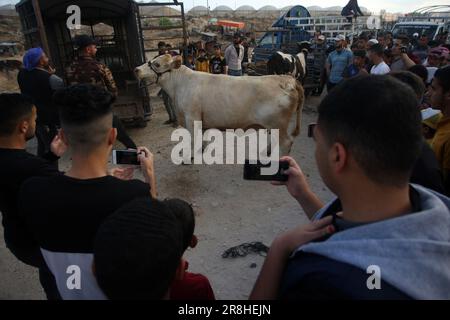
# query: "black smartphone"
(253, 172)
(125, 157)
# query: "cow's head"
(150, 72)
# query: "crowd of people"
(391, 178)
(232, 61)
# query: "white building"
(245, 11)
(198, 11)
(223, 11)
(268, 11)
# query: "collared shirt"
(233, 58)
(339, 60)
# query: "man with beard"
(87, 70)
(234, 55)
(37, 80)
(337, 61)
(17, 126)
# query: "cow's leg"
(190, 126)
(286, 142)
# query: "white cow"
(225, 102)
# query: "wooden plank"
(41, 27)
(162, 28)
(159, 17)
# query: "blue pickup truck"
(283, 36)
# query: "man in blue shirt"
(337, 61)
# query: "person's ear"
(194, 242)
(181, 270)
(338, 157)
(24, 126)
(63, 136)
(112, 136)
(177, 62)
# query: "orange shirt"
(441, 143)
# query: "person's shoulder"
(312, 276)
(38, 184)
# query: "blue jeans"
(235, 73)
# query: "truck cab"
(283, 36)
(431, 29)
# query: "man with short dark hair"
(400, 50)
(426, 171)
(17, 126)
(365, 155)
(127, 253)
(65, 211)
(439, 94)
(422, 48)
(137, 251)
(376, 58)
(234, 55)
(337, 61)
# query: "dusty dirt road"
(230, 211)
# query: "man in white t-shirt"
(376, 57)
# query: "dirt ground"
(230, 211)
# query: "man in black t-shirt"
(65, 211)
(217, 63)
(17, 126)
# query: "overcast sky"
(375, 6)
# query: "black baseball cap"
(83, 41)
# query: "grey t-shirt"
(398, 65)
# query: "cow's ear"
(177, 62)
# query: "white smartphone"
(125, 157)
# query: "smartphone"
(253, 172)
(125, 157)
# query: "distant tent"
(352, 9)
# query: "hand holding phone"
(296, 182)
(253, 172)
(125, 157)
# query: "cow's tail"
(301, 101)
